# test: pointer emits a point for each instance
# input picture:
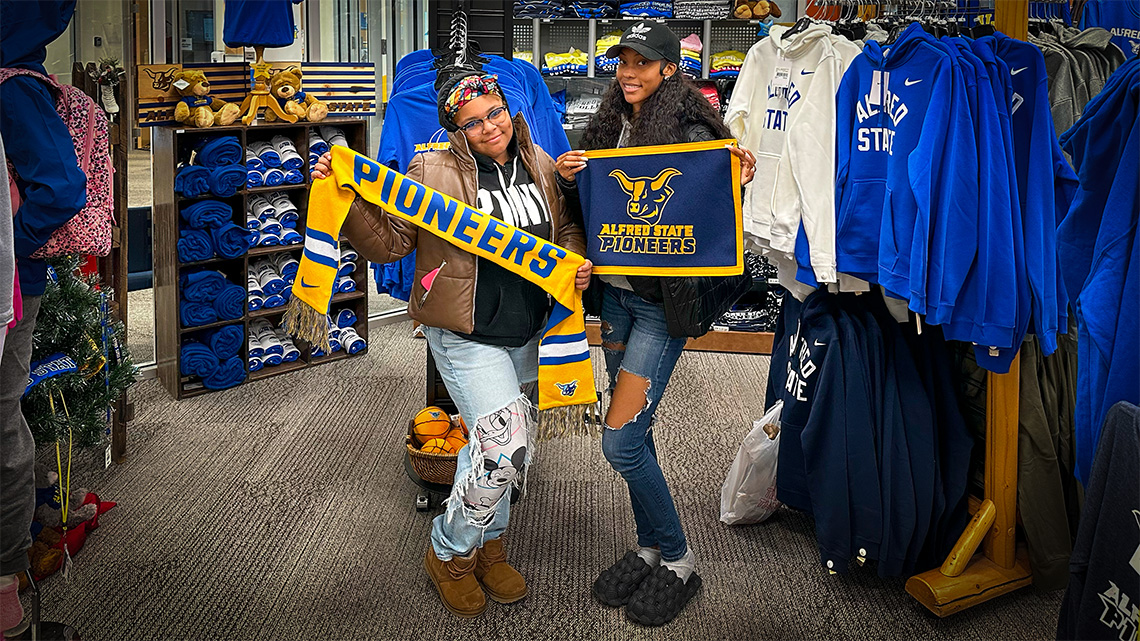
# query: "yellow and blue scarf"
(565, 374)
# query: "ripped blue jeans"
(651, 353)
(484, 381)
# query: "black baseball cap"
(651, 39)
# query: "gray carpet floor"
(280, 510)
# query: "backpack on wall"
(89, 231)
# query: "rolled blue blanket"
(231, 372)
(266, 152)
(230, 302)
(288, 219)
(230, 241)
(291, 352)
(273, 360)
(287, 266)
(255, 363)
(294, 177)
(226, 341)
(271, 226)
(351, 340)
(198, 360)
(194, 245)
(219, 151)
(202, 286)
(225, 181)
(346, 285)
(348, 254)
(254, 239)
(334, 345)
(195, 314)
(290, 237)
(256, 301)
(192, 181)
(255, 348)
(207, 214)
(317, 144)
(252, 222)
(273, 177)
(345, 318)
(268, 240)
(346, 269)
(274, 300)
(254, 178)
(290, 159)
(253, 162)
(318, 352)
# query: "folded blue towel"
(255, 348)
(288, 267)
(197, 360)
(273, 177)
(334, 345)
(254, 178)
(352, 341)
(255, 302)
(290, 237)
(273, 360)
(254, 239)
(270, 282)
(192, 181)
(346, 285)
(266, 152)
(253, 162)
(345, 318)
(346, 269)
(230, 302)
(252, 222)
(271, 226)
(202, 286)
(274, 300)
(317, 144)
(291, 353)
(230, 241)
(226, 341)
(287, 150)
(318, 352)
(287, 293)
(225, 181)
(231, 372)
(207, 214)
(194, 245)
(294, 177)
(222, 150)
(255, 363)
(195, 314)
(268, 240)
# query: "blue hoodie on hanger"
(36, 141)
(906, 156)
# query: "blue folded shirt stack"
(539, 8)
(647, 9)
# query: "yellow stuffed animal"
(286, 88)
(197, 107)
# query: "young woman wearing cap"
(649, 103)
(482, 322)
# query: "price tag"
(783, 77)
(107, 457)
(875, 96)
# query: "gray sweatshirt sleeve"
(7, 246)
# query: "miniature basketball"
(458, 424)
(438, 446)
(430, 423)
(455, 440)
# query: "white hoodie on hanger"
(783, 109)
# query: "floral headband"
(468, 89)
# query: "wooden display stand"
(172, 146)
(965, 580)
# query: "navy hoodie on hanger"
(36, 141)
(906, 155)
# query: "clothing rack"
(965, 580)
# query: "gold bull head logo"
(647, 196)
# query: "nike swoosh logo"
(304, 284)
(908, 82)
(804, 72)
(819, 344)
(1017, 71)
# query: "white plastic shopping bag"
(749, 493)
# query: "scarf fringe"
(568, 421)
(307, 323)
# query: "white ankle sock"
(652, 556)
(684, 566)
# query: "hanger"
(461, 54)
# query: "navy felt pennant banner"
(668, 210)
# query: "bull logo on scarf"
(647, 196)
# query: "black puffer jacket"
(692, 304)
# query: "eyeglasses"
(477, 125)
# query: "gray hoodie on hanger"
(7, 248)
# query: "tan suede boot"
(457, 587)
(502, 582)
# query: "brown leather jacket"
(381, 238)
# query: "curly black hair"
(662, 118)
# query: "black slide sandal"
(661, 597)
(617, 584)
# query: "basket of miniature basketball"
(431, 467)
(434, 441)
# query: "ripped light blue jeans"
(485, 383)
(650, 353)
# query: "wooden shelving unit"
(172, 146)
